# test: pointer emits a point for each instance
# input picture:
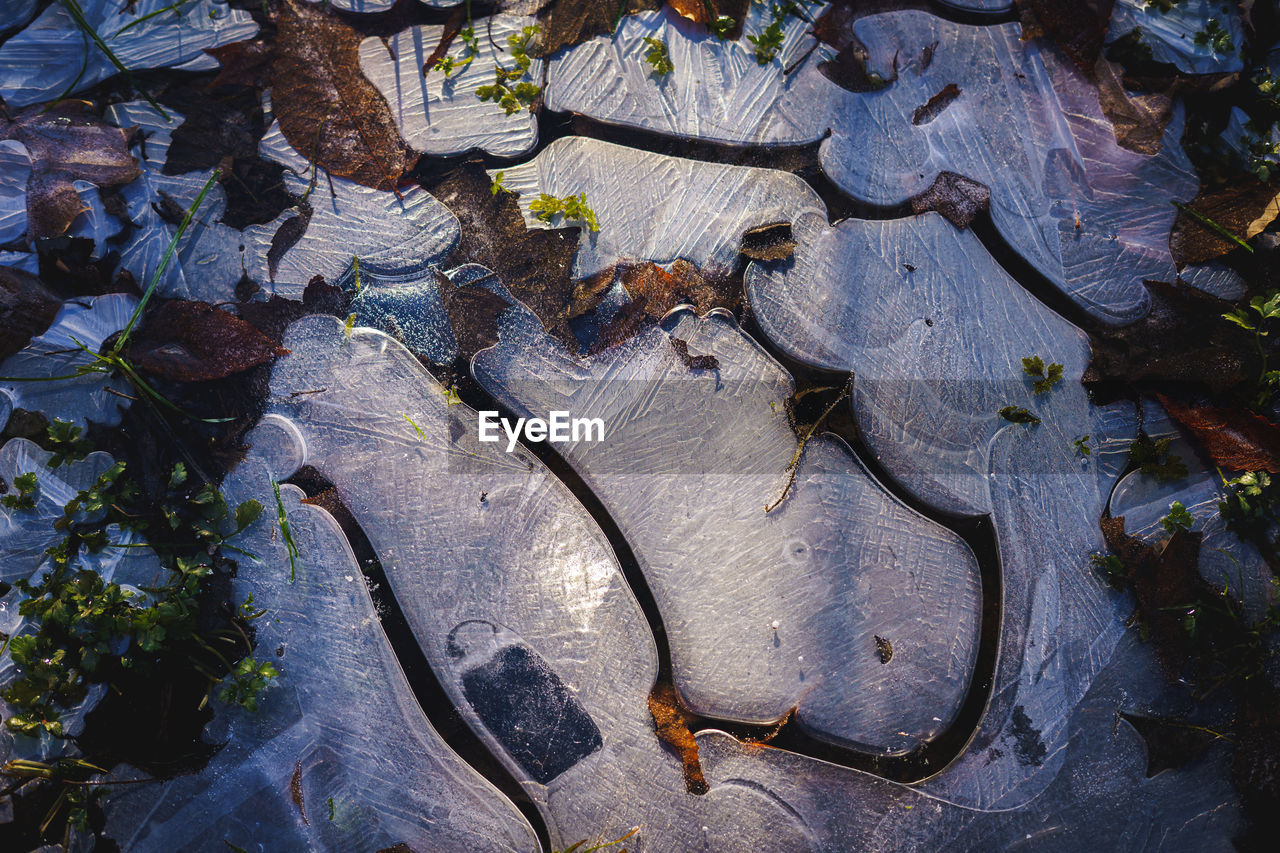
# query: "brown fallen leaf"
(327, 109)
(473, 315)
(534, 264)
(1236, 439)
(67, 144)
(672, 724)
(654, 291)
(27, 308)
(1243, 208)
(956, 197)
(693, 362)
(195, 342)
(707, 11)
(568, 22)
(295, 792)
(1166, 583)
(287, 236)
(1138, 120)
(1077, 27)
(1182, 339)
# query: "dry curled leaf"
(66, 144)
(654, 291)
(672, 724)
(934, 107)
(769, 242)
(1243, 208)
(693, 362)
(1235, 439)
(194, 342)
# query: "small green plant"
(283, 520)
(28, 491)
(1260, 317)
(1251, 507)
(521, 95)
(471, 48)
(1154, 459)
(246, 683)
(496, 186)
(63, 439)
(422, 435)
(722, 26)
(658, 57)
(1177, 519)
(768, 43)
(1112, 569)
(572, 208)
(1081, 445)
(1018, 415)
(451, 398)
(1045, 378)
(1214, 36)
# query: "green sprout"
(522, 95)
(28, 491)
(286, 532)
(1112, 569)
(722, 26)
(1154, 459)
(65, 442)
(572, 207)
(496, 186)
(1260, 317)
(422, 435)
(658, 57)
(247, 682)
(1177, 519)
(1081, 445)
(1215, 37)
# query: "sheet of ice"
(1171, 33)
(397, 239)
(978, 5)
(42, 377)
(658, 208)
(511, 590)
(1102, 797)
(764, 611)
(1091, 216)
(444, 116)
(53, 53)
(340, 756)
(15, 169)
(934, 333)
(718, 91)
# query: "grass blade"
(77, 15)
(1210, 224)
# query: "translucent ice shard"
(935, 333)
(339, 756)
(509, 586)
(1181, 33)
(53, 53)
(717, 92)
(15, 169)
(658, 208)
(1091, 216)
(443, 115)
(764, 610)
(43, 377)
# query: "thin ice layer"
(935, 333)
(1091, 216)
(657, 208)
(339, 756)
(444, 115)
(717, 92)
(52, 56)
(764, 610)
(1180, 33)
(511, 591)
(43, 377)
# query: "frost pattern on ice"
(41, 61)
(444, 116)
(341, 716)
(718, 91)
(1171, 34)
(1028, 126)
(934, 333)
(49, 363)
(658, 208)
(508, 585)
(764, 611)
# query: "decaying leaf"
(654, 291)
(769, 242)
(672, 724)
(295, 792)
(1235, 439)
(934, 107)
(568, 22)
(693, 362)
(1244, 209)
(1166, 584)
(195, 342)
(1077, 27)
(1138, 120)
(327, 109)
(473, 315)
(67, 144)
(27, 308)
(1183, 339)
(954, 196)
(535, 265)
(708, 11)
(287, 236)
